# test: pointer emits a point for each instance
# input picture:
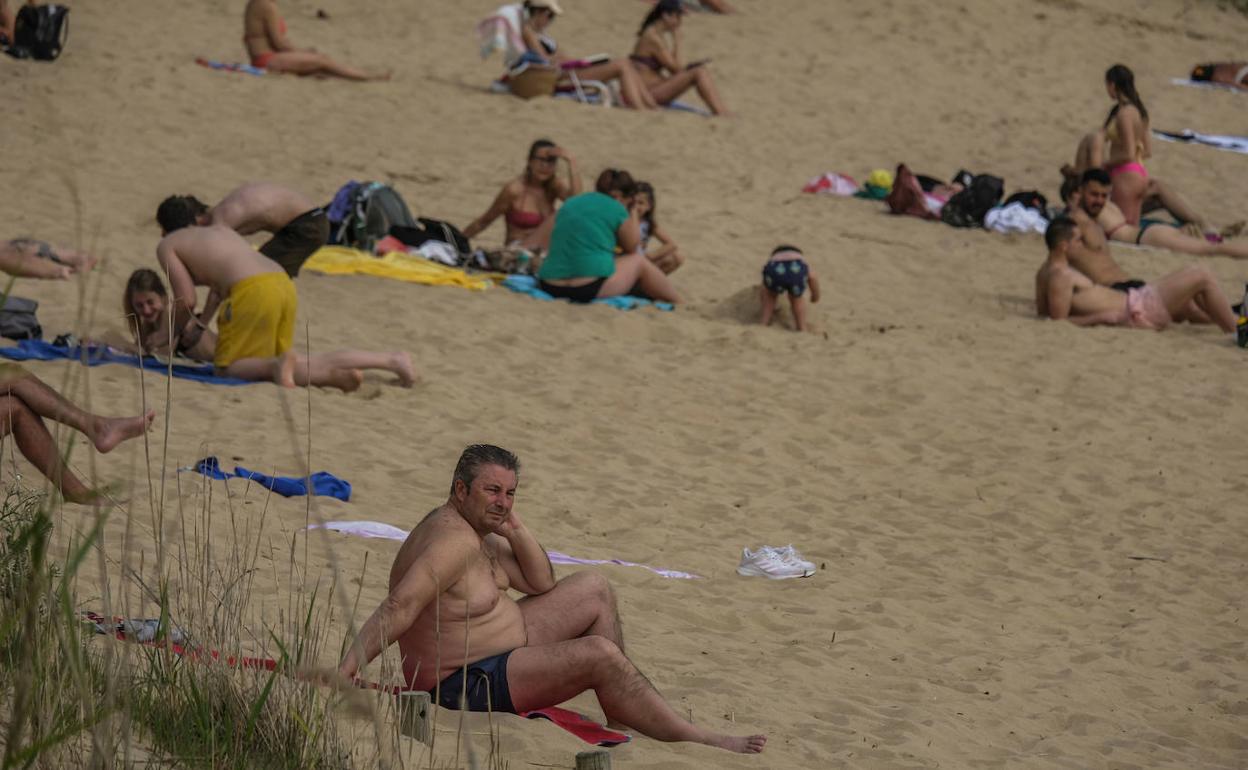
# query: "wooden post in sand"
(593, 760)
(415, 715)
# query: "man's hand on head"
(511, 526)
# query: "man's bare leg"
(548, 675)
(20, 257)
(285, 371)
(36, 445)
(582, 604)
(105, 432)
(319, 368)
(1196, 284)
(1167, 237)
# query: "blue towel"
(95, 355)
(527, 284)
(325, 484)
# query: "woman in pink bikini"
(527, 203)
(1126, 131)
(264, 34)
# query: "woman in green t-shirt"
(595, 248)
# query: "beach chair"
(527, 75)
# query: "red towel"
(585, 729)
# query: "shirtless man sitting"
(258, 303)
(299, 226)
(448, 608)
(32, 258)
(1151, 232)
(1064, 293)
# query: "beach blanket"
(339, 260)
(1221, 141)
(1206, 84)
(384, 531)
(98, 355)
(527, 284)
(226, 66)
(323, 484)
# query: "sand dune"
(1031, 535)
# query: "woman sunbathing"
(541, 48)
(1229, 73)
(527, 203)
(264, 34)
(146, 306)
(663, 71)
(595, 247)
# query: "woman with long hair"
(662, 67)
(145, 306)
(527, 203)
(1126, 132)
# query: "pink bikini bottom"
(1126, 168)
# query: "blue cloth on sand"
(96, 355)
(324, 484)
(527, 284)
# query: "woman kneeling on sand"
(146, 309)
(527, 203)
(582, 265)
(264, 34)
(538, 16)
(663, 71)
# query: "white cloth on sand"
(1015, 218)
(1221, 141)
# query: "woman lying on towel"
(538, 15)
(527, 203)
(264, 34)
(590, 229)
(1227, 73)
(663, 71)
(146, 308)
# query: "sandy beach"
(1031, 536)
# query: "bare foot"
(111, 431)
(284, 369)
(402, 367)
(742, 744)
(346, 380)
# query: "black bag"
(433, 230)
(967, 208)
(1032, 199)
(40, 32)
(17, 319)
(373, 210)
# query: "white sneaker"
(789, 554)
(767, 562)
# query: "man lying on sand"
(1150, 232)
(299, 227)
(1064, 293)
(32, 258)
(448, 606)
(257, 321)
(25, 401)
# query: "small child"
(667, 256)
(786, 272)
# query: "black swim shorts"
(579, 294)
(487, 686)
(291, 246)
(1127, 285)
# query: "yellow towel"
(338, 260)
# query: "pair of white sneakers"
(774, 563)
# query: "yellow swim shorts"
(257, 320)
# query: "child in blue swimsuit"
(787, 272)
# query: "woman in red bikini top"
(1126, 130)
(527, 203)
(264, 35)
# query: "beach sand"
(1031, 536)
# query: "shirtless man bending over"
(450, 581)
(299, 226)
(1064, 293)
(258, 302)
(1150, 232)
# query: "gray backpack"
(374, 209)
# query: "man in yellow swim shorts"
(257, 301)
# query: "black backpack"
(967, 208)
(40, 32)
(373, 210)
(433, 230)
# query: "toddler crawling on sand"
(786, 272)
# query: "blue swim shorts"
(487, 686)
(786, 276)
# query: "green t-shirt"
(582, 244)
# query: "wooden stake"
(593, 760)
(415, 712)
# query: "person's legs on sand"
(582, 604)
(798, 306)
(769, 299)
(1196, 283)
(36, 445)
(1167, 237)
(636, 270)
(310, 63)
(326, 368)
(105, 432)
